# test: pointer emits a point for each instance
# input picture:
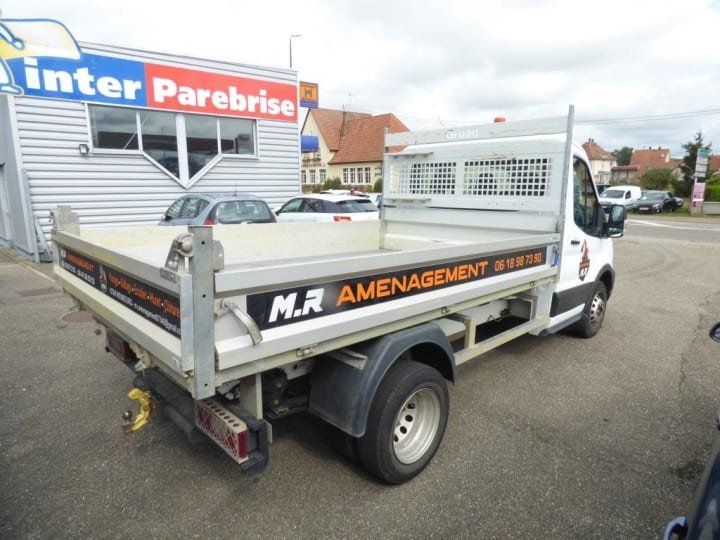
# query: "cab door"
(585, 251)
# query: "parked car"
(658, 201)
(327, 207)
(626, 196)
(218, 209)
(703, 520)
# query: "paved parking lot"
(548, 437)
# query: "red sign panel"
(181, 89)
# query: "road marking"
(668, 226)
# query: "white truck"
(486, 233)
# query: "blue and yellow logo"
(36, 38)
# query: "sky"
(451, 63)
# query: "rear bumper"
(176, 404)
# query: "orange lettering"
(383, 287)
(414, 283)
(366, 294)
(346, 295)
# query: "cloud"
(450, 62)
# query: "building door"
(5, 227)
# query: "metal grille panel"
(497, 177)
(425, 178)
(526, 177)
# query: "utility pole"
(292, 36)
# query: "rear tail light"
(341, 218)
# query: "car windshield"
(243, 212)
(352, 206)
(613, 194)
(653, 196)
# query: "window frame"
(184, 178)
(598, 214)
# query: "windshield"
(653, 196)
(357, 205)
(243, 212)
(613, 194)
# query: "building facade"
(345, 145)
(119, 134)
(601, 161)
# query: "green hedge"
(712, 192)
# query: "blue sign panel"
(309, 143)
(100, 79)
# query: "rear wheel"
(406, 422)
(593, 314)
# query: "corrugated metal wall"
(110, 189)
(16, 228)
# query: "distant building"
(643, 160)
(714, 165)
(601, 161)
(346, 145)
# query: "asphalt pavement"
(548, 437)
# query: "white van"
(626, 196)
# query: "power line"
(589, 121)
(650, 117)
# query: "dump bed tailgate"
(125, 294)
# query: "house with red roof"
(349, 146)
(644, 159)
(601, 161)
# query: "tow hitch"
(147, 408)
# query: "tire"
(406, 422)
(593, 314)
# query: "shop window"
(237, 136)
(159, 139)
(113, 128)
(202, 141)
(182, 144)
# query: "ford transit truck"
(487, 233)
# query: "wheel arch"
(342, 394)
(607, 277)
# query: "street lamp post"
(292, 36)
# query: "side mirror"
(166, 217)
(715, 332)
(614, 227)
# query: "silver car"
(214, 209)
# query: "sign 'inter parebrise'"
(103, 79)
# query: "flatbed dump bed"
(266, 320)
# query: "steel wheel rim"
(416, 425)
(597, 309)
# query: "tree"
(656, 179)
(689, 160)
(332, 183)
(623, 155)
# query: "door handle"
(574, 242)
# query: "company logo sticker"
(584, 262)
(277, 308)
